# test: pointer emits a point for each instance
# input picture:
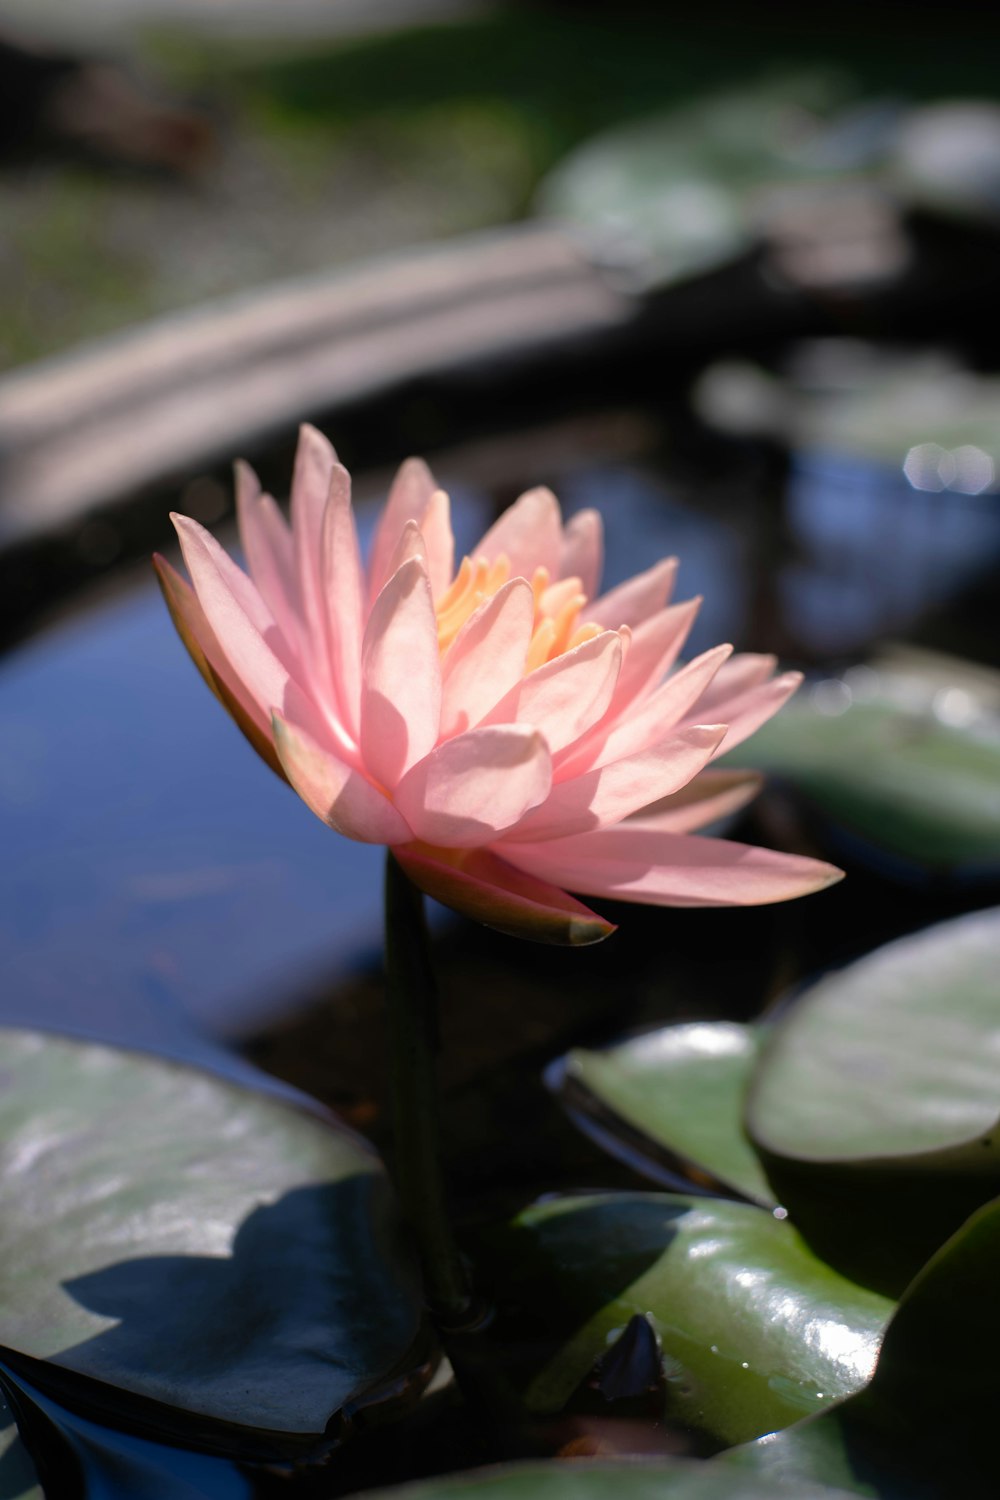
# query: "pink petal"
(194, 538)
(267, 546)
(336, 793)
(528, 534)
(314, 463)
(636, 599)
(344, 599)
(607, 795)
(653, 720)
(640, 862)
(748, 712)
(409, 543)
(711, 795)
(238, 618)
(439, 542)
(478, 884)
(400, 677)
(565, 696)
(207, 655)
(655, 646)
(414, 497)
(652, 650)
(583, 550)
(474, 787)
(487, 656)
(741, 672)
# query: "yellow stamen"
(583, 634)
(566, 622)
(557, 605)
(457, 587)
(539, 583)
(474, 582)
(541, 645)
(559, 593)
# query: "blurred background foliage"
(158, 154)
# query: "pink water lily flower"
(509, 731)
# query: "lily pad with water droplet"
(925, 1426)
(754, 1331)
(876, 1104)
(671, 1102)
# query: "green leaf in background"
(876, 1103)
(165, 1234)
(925, 1427)
(671, 1101)
(684, 188)
(580, 1480)
(901, 779)
(18, 1477)
(755, 1332)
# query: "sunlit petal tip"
(417, 470)
(340, 480)
(311, 437)
(246, 483)
(199, 640)
(641, 860)
(480, 885)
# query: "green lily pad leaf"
(671, 1102)
(754, 1331)
(876, 1104)
(18, 1475)
(684, 188)
(186, 1254)
(78, 1457)
(904, 781)
(926, 1424)
(580, 1480)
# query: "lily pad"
(671, 1102)
(188, 1256)
(876, 1105)
(580, 1480)
(903, 780)
(18, 1475)
(683, 188)
(81, 1458)
(926, 1424)
(754, 1331)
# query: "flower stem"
(413, 1045)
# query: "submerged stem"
(413, 1045)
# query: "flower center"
(557, 626)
